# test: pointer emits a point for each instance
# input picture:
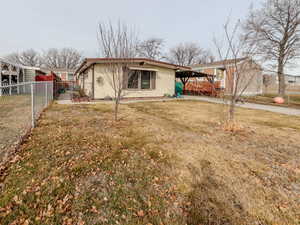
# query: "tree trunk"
(281, 79)
(116, 109)
(232, 110)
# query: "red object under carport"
(45, 78)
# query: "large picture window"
(145, 79)
(141, 80)
(133, 79)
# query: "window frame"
(70, 75)
(139, 88)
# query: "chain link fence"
(20, 107)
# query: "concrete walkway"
(275, 109)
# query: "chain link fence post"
(32, 104)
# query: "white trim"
(31, 68)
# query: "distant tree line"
(183, 54)
(153, 48)
(53, 58)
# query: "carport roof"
(191, 74)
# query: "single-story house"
(31, 72)
(225, 73)
(144, 77)
(64, 74)
(10, 73)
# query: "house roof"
(89, 61)
(220, 63)
(10, 63)
(57, 70)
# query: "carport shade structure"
(185, 75)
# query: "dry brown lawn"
(162, 163)
(15, 120)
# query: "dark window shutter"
(153, 80)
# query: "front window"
(133, 79)
(70, 76)
(141, 79)
(145, 79)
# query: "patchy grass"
(15, 114)
(79, 165)
(162, 163)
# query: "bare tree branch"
(151, 48)
(189, 53)
(29, 57)
(237, 57)
(117, 42)
(274, 29)
(66, 58)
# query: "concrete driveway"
(276, 109)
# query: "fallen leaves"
(17, 200)
(141, 213)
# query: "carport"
(186, 75)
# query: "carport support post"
(184, 81)
(32, 104)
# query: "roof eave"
(89, 61)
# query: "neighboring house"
(10, 73)
(225, 73)
(291, 80)
(31, 73)
(64, 74)
(147, 77)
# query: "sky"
(43, 24)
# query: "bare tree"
(206, 57)
(28, 57)
(268, 80)
(185, 54)
(236, 56)
(151, 48)
(275, 30)
(66, 58)
(117, 42)
(189, 53)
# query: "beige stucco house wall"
(96, 81)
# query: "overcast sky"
(42, 24)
